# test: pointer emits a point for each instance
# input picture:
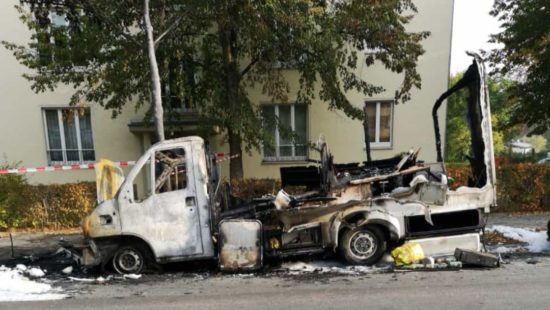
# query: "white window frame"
(377, 144)
(277, 139)
(63, 149)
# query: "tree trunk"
(154, 74)
(232, 101)
(236, 164)
(366, 131)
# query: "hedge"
(521, 187)
(44, 206)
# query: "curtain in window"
(285, 131)
(268, 113)
(385, 121)
(300, 128)
(371, 118)
(86, 139)
(55, 152)
(71, 139)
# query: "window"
(380, 120)
(57, 36)
(289, 138)
(68, 136)
(179, 86)
(52, 36)
(170, 174)
(170, 171)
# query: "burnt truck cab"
(359, 210)
(168, 221)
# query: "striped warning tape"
(226, 158)
(22, 170)
(122, 163)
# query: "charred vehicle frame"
(359, 210)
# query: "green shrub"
(521, 187)
(13, 189)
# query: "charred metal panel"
(479, 120)
(486, 126)
(302, 176)
(475, 258)
(202, 195)
(240, 245)
(433, 192)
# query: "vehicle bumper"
(90, 255)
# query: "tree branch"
(250, 65)
(108, 21)
(162, 35)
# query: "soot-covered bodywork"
(359, 210)
(389, 201)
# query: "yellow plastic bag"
(407, 254)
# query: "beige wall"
(22, 129)
(412, 121)
(22, 137)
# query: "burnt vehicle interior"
(325, 180)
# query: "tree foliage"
(538, 142)
(12, 186)
(525, 57)
(458, 134)
(214, 51)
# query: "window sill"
(284, 162)
(379, 147)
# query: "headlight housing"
(105, 219)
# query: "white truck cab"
(161, 211)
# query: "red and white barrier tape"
(230, 157)
(122, 163)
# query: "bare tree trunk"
(232, 99)
(366, 131)
(236, 164)
(155, 77)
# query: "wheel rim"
(363, 244)
(128, 261)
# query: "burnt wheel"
(129, 259)
(363, 245)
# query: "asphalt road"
(522, 284)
